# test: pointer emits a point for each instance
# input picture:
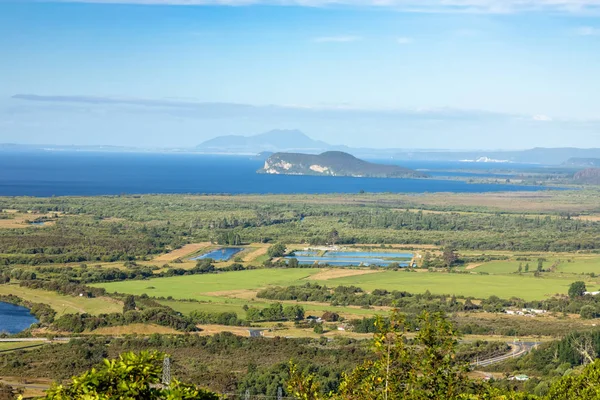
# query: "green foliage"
(588, 312)
(577, 289)
(131, 376)
(276, 250)
(129, 303)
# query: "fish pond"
(222, 254)
(352, 258)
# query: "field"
(212, 286)
(64, 304)
(11, 346)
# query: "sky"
(451, 74)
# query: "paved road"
(518, 349)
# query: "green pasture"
(214, 287)
(479, 286)
(194, 286)
(64, 304)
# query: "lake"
(223, 254)
(14, 319)
(87, 174)
(352, 258)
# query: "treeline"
(163, 316)
(355, 296)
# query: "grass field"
(211, 287)
(11, 346)
(64, 304)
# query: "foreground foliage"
(131, 376)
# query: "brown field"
(138, 329)
(473, 266)
(256, 253)
(208, 330)
(18, 220)
(238, 294)
(32, 387)
(182, 252)
(334, 273)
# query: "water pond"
(351, 258)
(14, 319)
(223, 254)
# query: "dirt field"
(182, 252)
(256, 253)
(340, 273)
(473, 266)
(139, 329)
(18, 220)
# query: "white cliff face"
(318, 168)
(275, 167)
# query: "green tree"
(449, 256)
(318, 329)
(129, 304)
(276, 250)
(131, 376)
(333, 237)
(577, 289)
(588, 312)
(527, 267)
(520, 269)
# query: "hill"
(333, 163)
(273, 141)
(589, 175)
(582, 162)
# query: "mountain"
(589, 175)
(333, 163)
(273, 141)
(582, 162)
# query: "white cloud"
(404, 40)
(588, 31)
(542, 118)
(465, 6)
(336, 39)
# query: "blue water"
(348, 262)
(366, 254)
(14, 319)
(86, 174)
(223, 254)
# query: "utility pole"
(166, 376)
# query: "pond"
(351, 258)
(222, 254)
(14, 319)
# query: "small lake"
(353, 258)
(14, 319)
(223, 254)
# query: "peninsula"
(333, 163)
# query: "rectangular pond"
(351, 258)
(222, 254)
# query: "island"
(333, 163)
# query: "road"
(518, 349)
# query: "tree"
(131, 376)
(588, 312)
(333, 237)
(318, 329)
(540, 266)
(129, 304)
(527, 267)
(577, 289)
(449, 256)
(520, 268)
(425, 370)
(293, 263)
(330, 316)
(276, 250)
(293, 312)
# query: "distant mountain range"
(272, 141)
(583, 162)
(589, 175)
(294, 141)
(333, 163)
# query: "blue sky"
(385, 73)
